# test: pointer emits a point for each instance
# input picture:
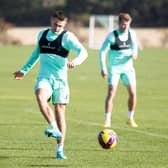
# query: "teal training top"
(117, 57)
(52, 65)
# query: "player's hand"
(134, 56)
(18, 75)
(104, 74)
(70, 64)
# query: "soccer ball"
(107, 139)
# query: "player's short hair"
(125, 16)
(59, 15)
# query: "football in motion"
(107, 139)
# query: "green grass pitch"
(23, 144)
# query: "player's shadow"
(20, 149)
(19, 124)
(38, 157)
(46, 165)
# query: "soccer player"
(52, 49)
(121, 47)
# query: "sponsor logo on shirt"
(124, 45)
(48, 46)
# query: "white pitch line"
(128, 129)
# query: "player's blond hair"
(125, 16)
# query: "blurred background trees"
(146, 13)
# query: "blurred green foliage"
(146, 13)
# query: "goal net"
(99, 27)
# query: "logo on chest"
(48, 46)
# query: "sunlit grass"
(23, 144)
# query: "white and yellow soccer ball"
(107, 139)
